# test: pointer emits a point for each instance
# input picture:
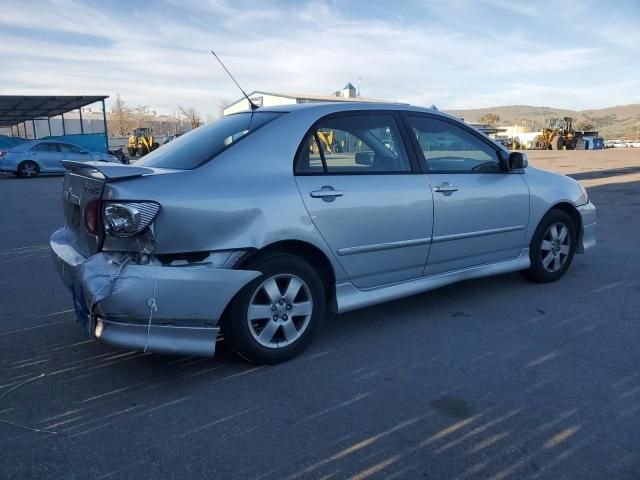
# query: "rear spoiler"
(110, 171)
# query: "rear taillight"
(91, 217)
(2, 154)
(127, 219)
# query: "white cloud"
(160, 56)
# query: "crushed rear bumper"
(151, 308)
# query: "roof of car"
(335, 107)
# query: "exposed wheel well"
(572, 211)
(311, 254)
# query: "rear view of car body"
(165, 289)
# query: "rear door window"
(68, 148)
(204, 143)
(368, 143)
(46, 147)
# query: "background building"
(270, 99)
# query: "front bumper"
(150, 308)
(588, 232)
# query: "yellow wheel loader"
(141, 142)
(329, 144)
(557, 134)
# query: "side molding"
(350, 298)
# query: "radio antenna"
(253, 105)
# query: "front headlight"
(127, 219)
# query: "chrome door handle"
(445, 188)
(327, 193)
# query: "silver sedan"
(31, 158)
(259, 224)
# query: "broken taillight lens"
(91, 214)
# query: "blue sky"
(451, 53)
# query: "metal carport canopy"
(15, 109)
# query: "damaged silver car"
(260, 223)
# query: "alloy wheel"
(555, 247)
(280, 310)
(29, 170)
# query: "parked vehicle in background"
(255, 226)
(141, 141)
(120, 155)
(557, 134)
(45, 156)
(169, 138)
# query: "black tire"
(572, 144)
(539, 143)
(238, 333)
(28, 169)
(558, 143)
(132, 151)
(538, 272)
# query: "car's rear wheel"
(28, 169)
(552, 247)
(275, 317)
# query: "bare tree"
(177, 122)
(585, 125)
(490, 119)
(143, 115)
(193, 116)
(121, 118)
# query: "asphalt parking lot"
(495, 378)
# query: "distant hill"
(611, 122)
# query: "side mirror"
(364, 158)
(517, 160)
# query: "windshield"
(204, 143)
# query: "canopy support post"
(104, 120)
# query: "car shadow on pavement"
(612, 172)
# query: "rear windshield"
(204, 143)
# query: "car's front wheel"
(28, 169)
(552, 247)
(276, 316)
